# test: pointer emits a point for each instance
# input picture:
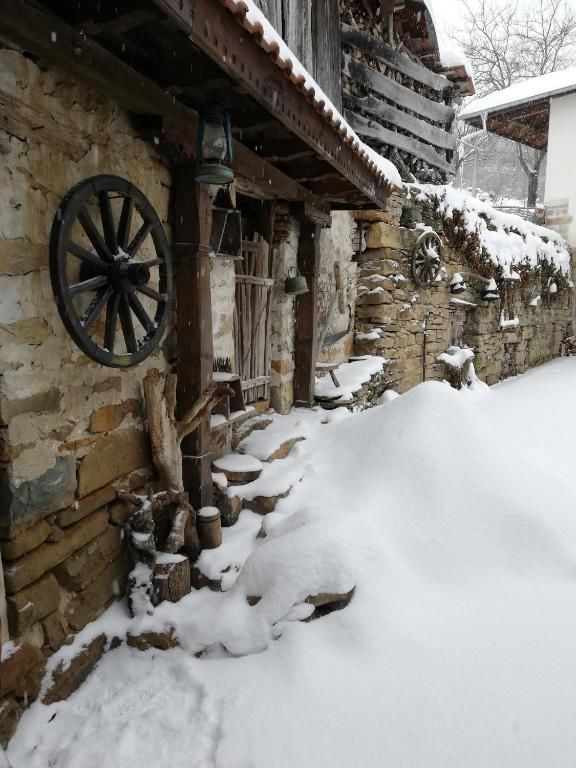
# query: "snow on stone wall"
(391, 310)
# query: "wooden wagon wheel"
(110, 266)
(426, 258)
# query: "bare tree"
(510, 42)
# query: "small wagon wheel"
(111, 271)
(426, 258)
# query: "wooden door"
(252, 318)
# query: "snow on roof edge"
(251, 18)
(533, 89)
(451, 55)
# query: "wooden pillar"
(306, 347)
(192, 227)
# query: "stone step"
(239, 468)
(245, 429)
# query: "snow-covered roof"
(451, 55)
(257, 25)
(534, 89)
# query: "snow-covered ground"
(453, 514)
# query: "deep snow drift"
(454, 516)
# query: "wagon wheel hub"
(127, 275)
(426, 258)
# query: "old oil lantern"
(214, 148)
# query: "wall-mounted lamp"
(214, 147)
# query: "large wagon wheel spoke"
(127, 325)
(88, 285)
(111, 320)
(141, 314)
(96, 306)
(125, 222)
(151, 293)
(139, 238)
(87, 257)
(94, 235)
(100, 291)
(107, 221)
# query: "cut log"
(171, 577)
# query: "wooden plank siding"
(389, 114)
(394, 59)
(395, 92)
(396, 104)
(312, 31)
(373, 130)
(326, 42)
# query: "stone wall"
(70, 429)
(391, 311)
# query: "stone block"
(26, 541)
(22, 572)
(163, 641)
(32, 604)
(15, 668)
(81, 568)
(81, 509)
(106, 419)
(67, 680)
(28, 686)
(111, 384)
(111, 457)
(383, 235)
(10, 714)
(98, 595)
(109, 417)
(378, 266)
(372, 298)
(55, 630)
(42, 402)
(26, 502)
(371, 216)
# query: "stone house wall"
(401, 307)
(70, 430)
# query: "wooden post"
(306, 348)
(192, 227)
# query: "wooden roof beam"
(34, 29)
(214, 30)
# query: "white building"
(540, 113)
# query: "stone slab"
(82, 567)
(27, 541)
(92, 601)
(22, 572)
(27, 502)
(17, 666)
(67, 680)
(86, 506)
(111, 457)
(32, 604)
(10, 714)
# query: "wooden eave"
(165, 59)
(525, 123)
